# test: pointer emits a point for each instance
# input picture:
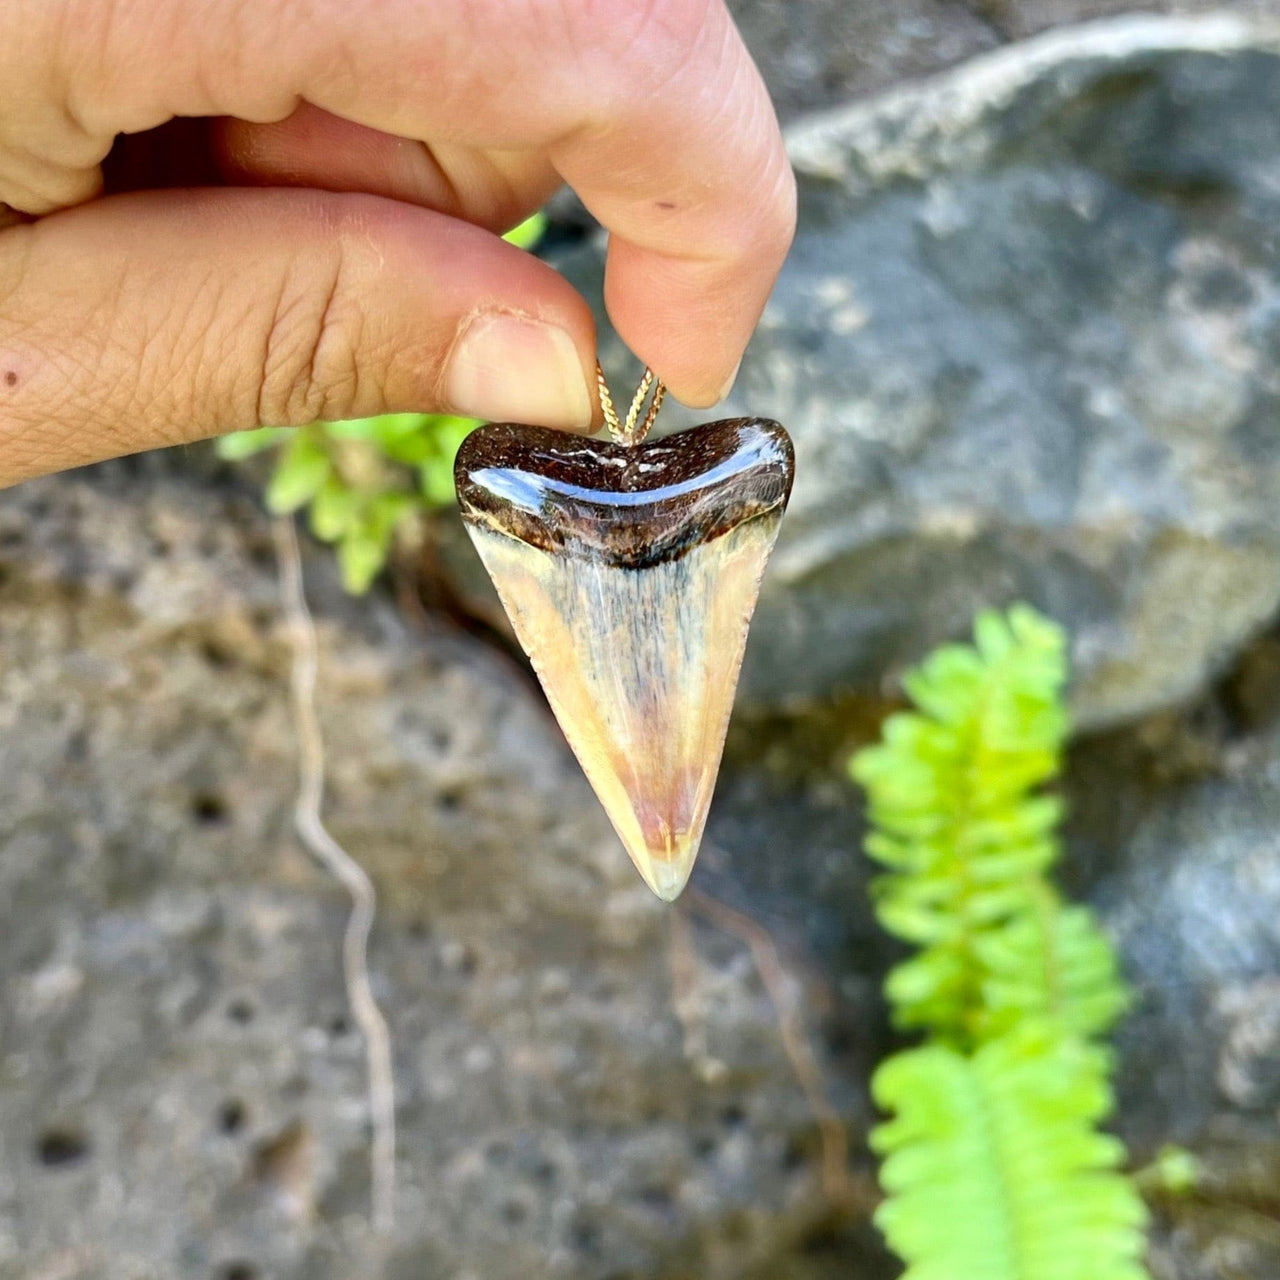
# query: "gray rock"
(1018, 19)
(1026, 344)
(1248, 1072)
(822, 52)
(1195, 909)
(181, 1091)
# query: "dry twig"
(686, 997)
(831, 1132)
(339, 863)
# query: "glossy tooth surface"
(630, 577)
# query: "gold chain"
(633, 430)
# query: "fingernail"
(728, 386)
(509, 368)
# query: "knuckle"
(310, 353)
(49, 157)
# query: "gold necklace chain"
(631, 431)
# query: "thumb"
(156, 319)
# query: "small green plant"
(365, 482)
(994, 1167)
(369, 481)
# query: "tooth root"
(637, 640)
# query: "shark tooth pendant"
(630, 574)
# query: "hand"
(355, 267)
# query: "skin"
(227, 213)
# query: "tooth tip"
(667, 877)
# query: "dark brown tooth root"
(630, 576)
(633, 506)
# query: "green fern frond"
(994, 1170)
(1054, 964)
(994, 1167)
(957, 818)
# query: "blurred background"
(1028, 345)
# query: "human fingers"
(314, 148)
(651, 109)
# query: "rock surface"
(181, 1091)
(1026, 345)
(820, 52)
(817, 53)
(1195, 908)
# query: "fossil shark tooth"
(630, 575)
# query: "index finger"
(691, 178)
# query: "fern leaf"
(958, 819)
(1056, 964)
(993, 1169)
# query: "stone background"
(1027, 347)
